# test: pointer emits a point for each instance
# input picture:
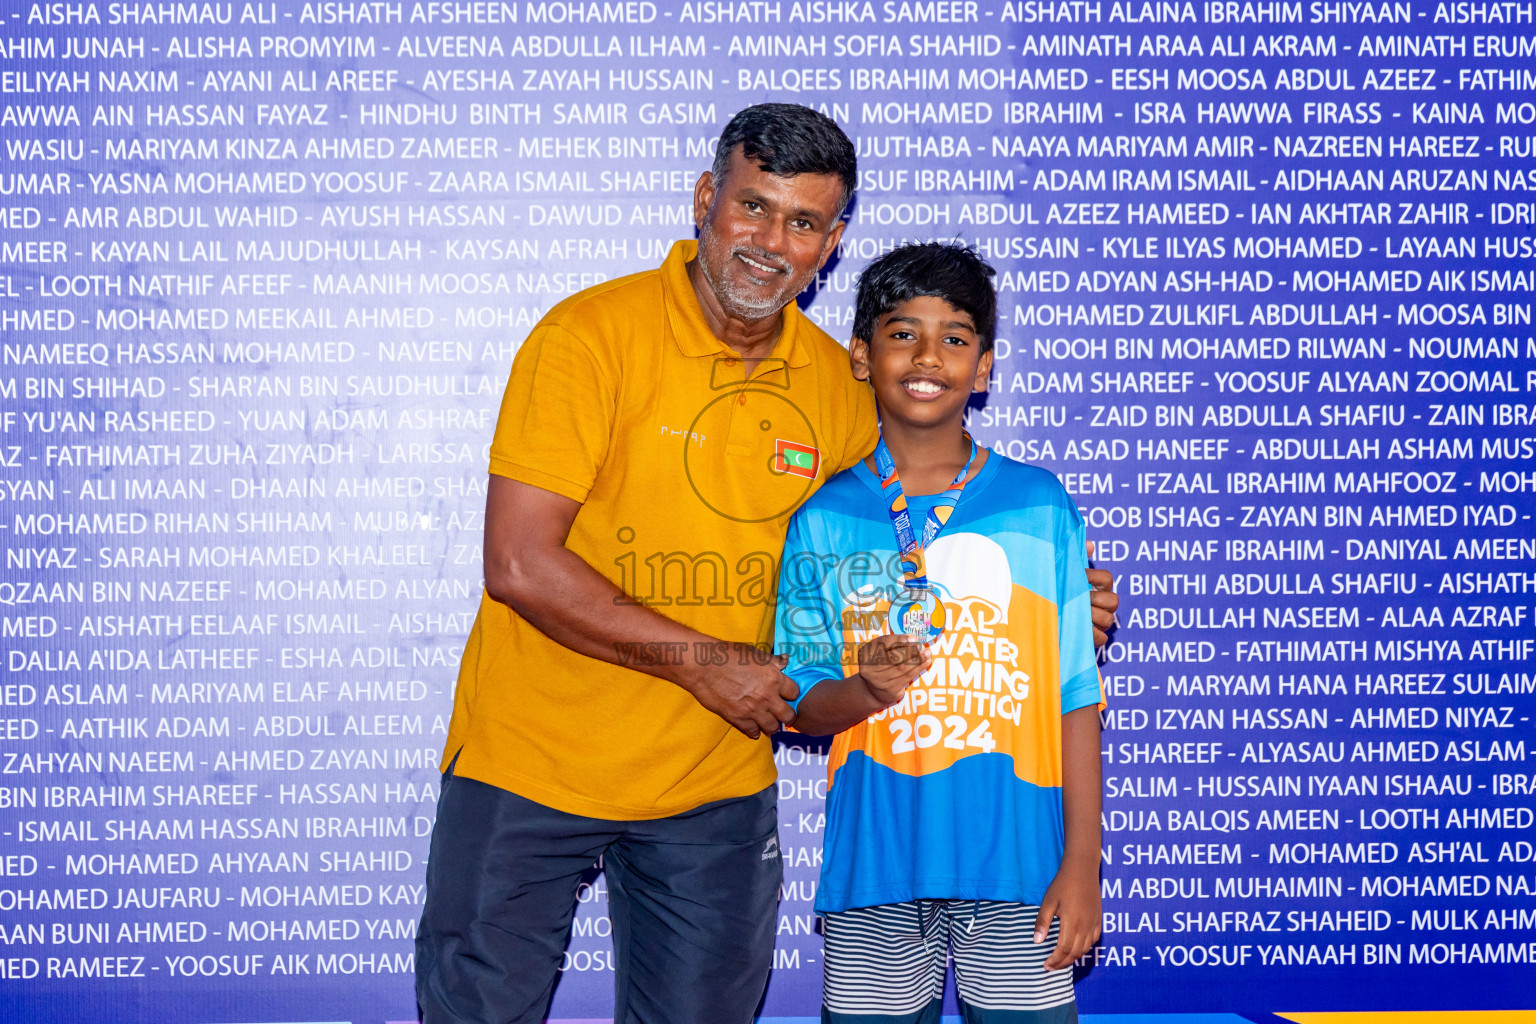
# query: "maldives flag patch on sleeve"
(796, 459)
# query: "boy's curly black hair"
(950, 272)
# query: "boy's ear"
(858, 357)
(983, 372)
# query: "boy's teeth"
(923, 386)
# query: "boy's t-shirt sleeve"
(1080, 684)
(808, 621)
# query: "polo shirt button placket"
(740, 440)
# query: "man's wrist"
(686, 664)
(687, 673)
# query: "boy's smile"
(924, 388)
(924, 361)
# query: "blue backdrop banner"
(1266, 273)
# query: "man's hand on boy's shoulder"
(888, 664)
(1104, 601)
(1073, 897)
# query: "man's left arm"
(1104, 600)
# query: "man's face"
(763, 237)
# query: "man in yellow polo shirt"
(656, 434)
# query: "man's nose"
(770, 235)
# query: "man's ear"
(703, 195)
(983, 372)
(858, 358)
(830, 245)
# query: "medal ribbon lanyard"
(914, 565)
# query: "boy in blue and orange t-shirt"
(935, 614)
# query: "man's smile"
(757, 265)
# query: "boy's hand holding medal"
(888, 664)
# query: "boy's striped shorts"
(886, 965)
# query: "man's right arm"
(529, 569)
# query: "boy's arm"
(1073, 895)
(887, 666)
(808, 632)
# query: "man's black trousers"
(692, 898)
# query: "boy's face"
(924, 361)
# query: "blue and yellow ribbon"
(914, 566)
